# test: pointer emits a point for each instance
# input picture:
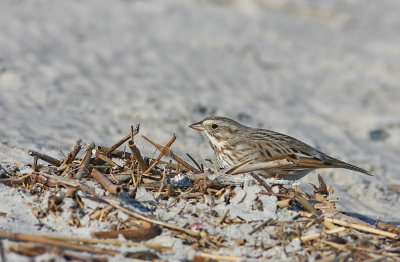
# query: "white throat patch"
(212, 140)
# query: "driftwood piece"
(105, 182)
(83, 169)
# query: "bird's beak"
(198, 126)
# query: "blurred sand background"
(325, 72)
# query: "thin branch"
(123, 140)
(195, 162)
(163, 150)
(261, 182)
(169, 153)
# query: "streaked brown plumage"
(234, 143)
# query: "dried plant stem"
(63, 181)
(58, 243)
(318, 235)
(105, 182)
(277, 195)
(12, 159)
(262, 182)
(155, 221)
(112, 242)
(388, 227)
(11, 181)
(101, 213)
(46, 158)
(71, 156)
(169, 153)
(223, 217)
(162, 181)
(83, 169)
(363, 228)
(123, 140)
(163, 150)
(304, 202)
(103, 157)
(220, 257)
(137, 156)
(195, 162)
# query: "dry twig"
(83, 169)
(46, 158)
(123, 140)
(107, 184)
(137, 156)
(169, 153)
(163, 150)
(363, 228)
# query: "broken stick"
(83, 169)
(105, 182)
(169, 153)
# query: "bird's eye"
(214, 126)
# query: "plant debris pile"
(162, 208)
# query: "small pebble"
(181, 180)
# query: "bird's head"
(218, 130)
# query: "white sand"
(326, 73)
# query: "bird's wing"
(279, 146)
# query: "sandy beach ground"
(325, 72)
